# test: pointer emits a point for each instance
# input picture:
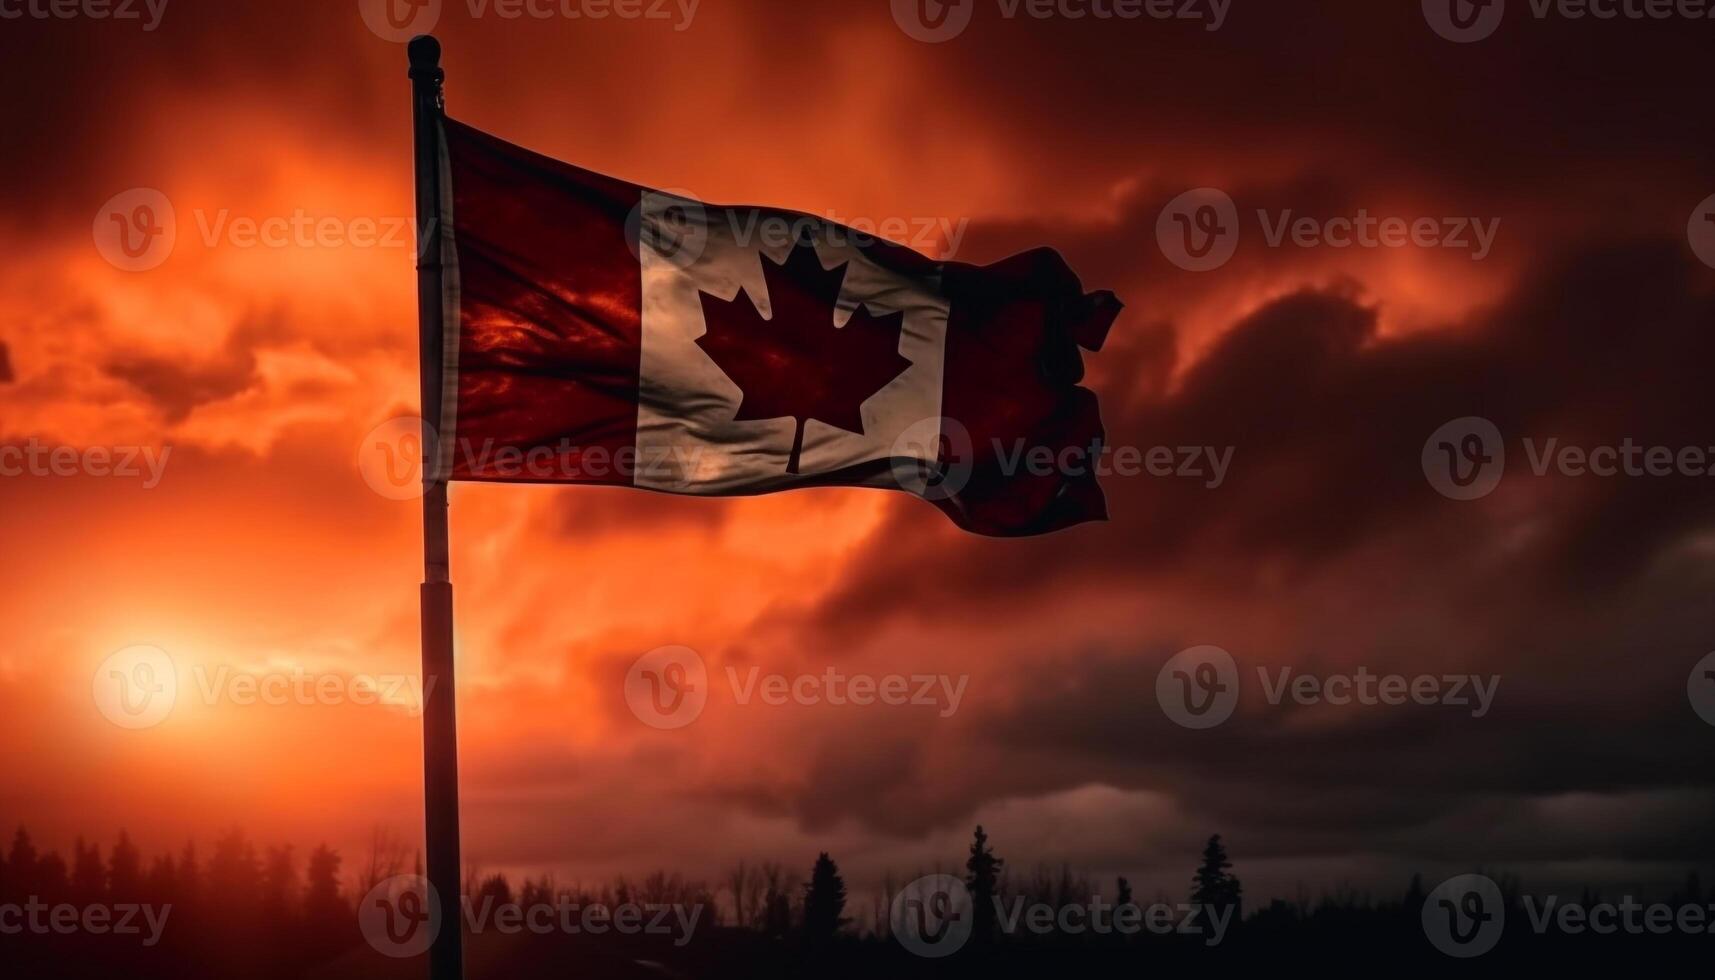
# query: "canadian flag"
(599, 332)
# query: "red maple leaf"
(795, 363)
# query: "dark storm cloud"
(87, 121)
(177, 386)
(1407, 776)
(1369, 82)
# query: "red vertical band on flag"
(1012, 380)
(550, 324)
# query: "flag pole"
(440, 726)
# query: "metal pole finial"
(425, 54)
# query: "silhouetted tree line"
(266, 911)
(236, 906)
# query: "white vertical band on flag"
(687, 427)
(447, 425)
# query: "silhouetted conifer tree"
(187, 876)
(162, 885)
(279, 883)
(824, 901)
(1415, 896)
(322, 901)
(982, 880)
(89, 875)
(1213, 887)
(328, 921)
(776, 901)
(51, 880)
(124, 870)
(21, 866)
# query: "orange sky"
(263, 550)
